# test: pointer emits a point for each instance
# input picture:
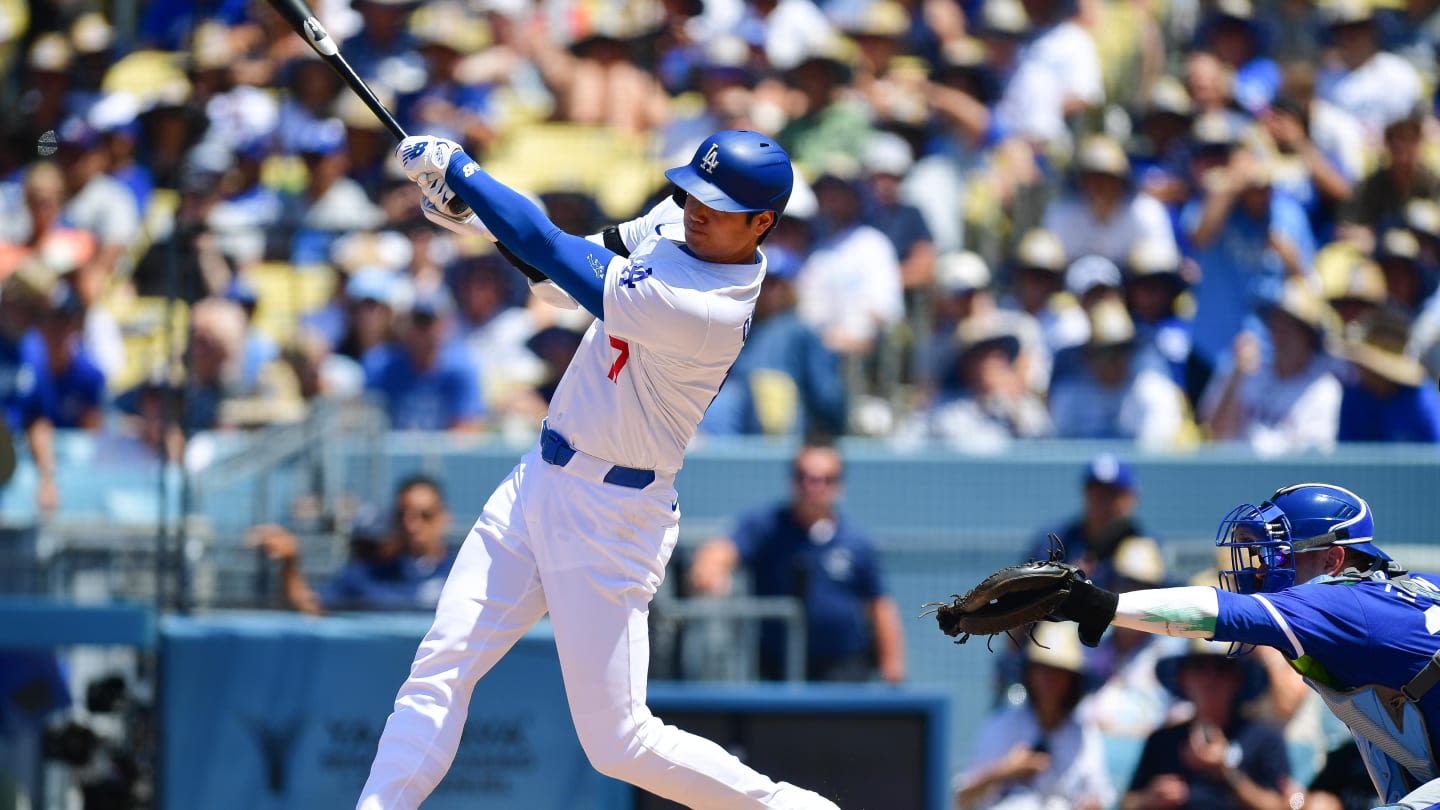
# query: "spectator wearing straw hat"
(1407, 281)
(1219, 759)
(1038, 274)
(1113, 397)
(1380, 199)
(1234, 34)
(1039, 752)
(1392, 399)
(1105, 216)
(1351, 281)
(994, 405)
(1153, 285)
(1289, 402)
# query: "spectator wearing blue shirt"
(1391, 398)
(805, 548)
(20, 305)
(1110, 497)
(397, 561)
(69, 390)
(426, 384)
(1247, 242)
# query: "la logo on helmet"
(711, 159)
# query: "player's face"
(722, 237)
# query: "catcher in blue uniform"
(1305, 578)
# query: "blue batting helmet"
(1263, 540)
(737, 170)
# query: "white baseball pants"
(593, 554)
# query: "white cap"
(961, 272)
(1089, 272)
(887, 153)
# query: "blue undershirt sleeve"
(576, 264)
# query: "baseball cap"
(1042, 250)
(887, 153)
(961, 272)
(369, 524)
(431, 302)
(370, 284)
(1101, 154)
(1110, 470)
(782, 263)
(1088, 272)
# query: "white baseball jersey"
(643, 377)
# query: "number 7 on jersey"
(620, 360)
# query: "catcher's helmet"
(1263, 540)
(737, 170)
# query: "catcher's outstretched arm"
(1189, 611)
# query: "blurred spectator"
(240, 115)
(491, 331)
(1153, 285)
(399, 560)
(960, 92)
(213, 363)
(1376, 87)
(311, 91)
(963, 292)
(1112, 395)
(1380, 199)
(382, 49)
(1406, 281)
(45, 94)
(22, 302)
(1060, 46)
(95, 202)
(349, 255)
(785, 381)
(51, 247)
(805, 548)
(1158, 150)
(368, 145)
(1218, 759)
(1247, 242)
(850, 288)
(1352, 283)
(1090, 280)
(116, 117)
(1105, 216)
(885, 160)
(1039, 752)
(1303, 171)
(186, 257)
(373, 299)
(831, 126)
(449, 105)
(1210, 83)
(330, 202)
(1039, 276)
(1391, 399)
(1284, 403)
(69, 390)
(425, 384)
(994, 405)
(1110, 496)
(596, 80)
(1238, 38)
(1130, 702)
(555, 346)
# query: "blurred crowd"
(1173, 223)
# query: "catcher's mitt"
(1009, 599)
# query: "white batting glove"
(424, 160)
(465, 226)
(550, 293)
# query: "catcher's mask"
(1262, 559)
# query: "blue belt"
(556, 450)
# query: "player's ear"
(762, 222)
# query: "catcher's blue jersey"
(1345, 634)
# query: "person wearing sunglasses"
(1306, 578)
(804, 547)
(398, 560)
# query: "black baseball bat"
(302, 19)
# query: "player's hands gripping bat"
(1017, 596)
